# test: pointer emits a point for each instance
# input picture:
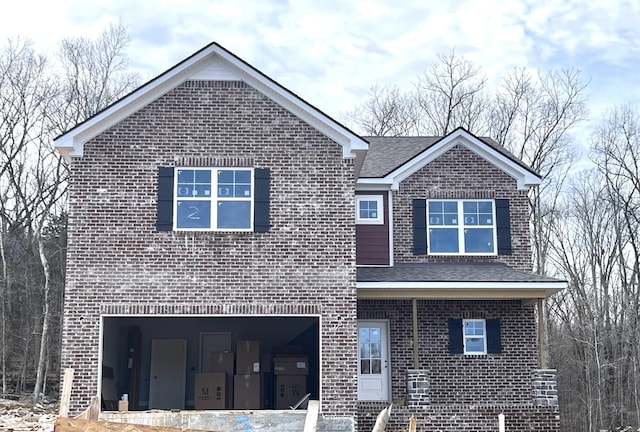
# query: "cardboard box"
(221, 362)
(289, 390)
(291, 365)
(210, 391)
(123, 405)
(247, 357)
(288, 350)
(247, 391)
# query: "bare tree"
(94, 74)
(532, 116)
(37, 102)
(450, 95)
(597, 245)
(387, 112)
(24, 95)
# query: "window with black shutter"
(213, 199)
(474, 336)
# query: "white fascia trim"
(525, 179)
(390, 208)
(374, 184)
(464, 285)
(72, 143)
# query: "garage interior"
(209, 362)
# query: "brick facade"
(454, 392)
(460, 173)
(464, 418)
(119, 262)
(120, 265)
(493, 378)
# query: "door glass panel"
(365, 366)
(370, 350)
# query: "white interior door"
(373, 361)
(168, 373)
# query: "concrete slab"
(230, 421)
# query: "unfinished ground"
(22, 416)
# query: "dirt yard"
(21, 416)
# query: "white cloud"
(331, 52)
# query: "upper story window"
(466, 227)
(213, 199)
(369, 209)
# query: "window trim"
(461, 227)
(214, 199)
(379, 199)
(465, 337)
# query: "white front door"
(373, 361)
(168, 373)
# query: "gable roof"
(212, 62)
(392, 159)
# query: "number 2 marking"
(194, 214)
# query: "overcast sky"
(330, 52)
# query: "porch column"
(415, 333)
(542, 343)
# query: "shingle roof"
(448, 272)
(385, 154)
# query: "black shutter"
(456, 345)
(261, 200)
(503, 226)
(419, 227)
(494, 339)
(164, 220)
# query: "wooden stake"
(412, 424)
(66, 392)
(92, 412)
(311, 421)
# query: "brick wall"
(453, 392)
(455, 378)
(463, 418)
(304, 264)
(460, 173)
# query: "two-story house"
(212, 212)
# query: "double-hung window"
(474, 336)
(214, 199)
(466, 227)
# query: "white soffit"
(211, 63)
(459, 290)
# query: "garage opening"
(209, 362)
